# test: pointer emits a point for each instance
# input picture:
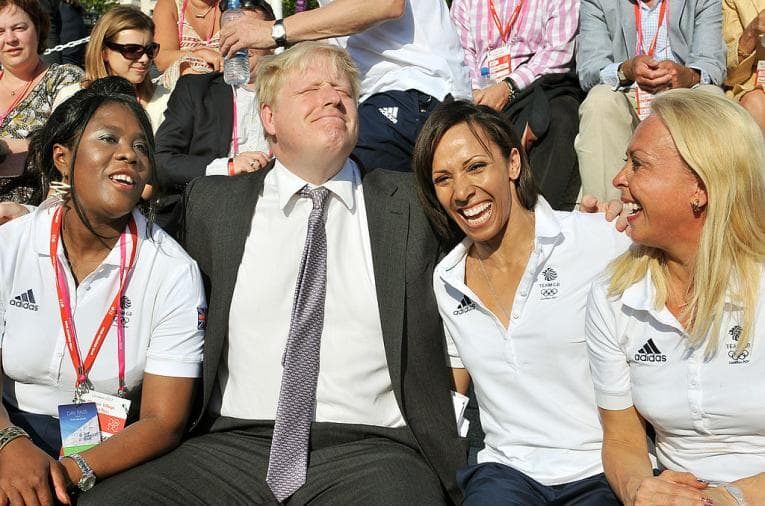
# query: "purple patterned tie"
(288, 461)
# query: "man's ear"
(267, 119)
(62, 159)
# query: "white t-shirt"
(418, 51)
(163, 314)
(532, 381)
(709, 414)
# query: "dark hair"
(253, 5)
(482, 122)
(40, 18)
(66, 125)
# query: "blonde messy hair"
(274, 70)
(724, 147)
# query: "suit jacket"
(607, 35)
(197, 129)
(737, 14)
(218, 214)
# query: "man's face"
(313, 115)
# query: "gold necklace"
(25, 84)
(491, 288)
(205, 13)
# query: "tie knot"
(318, 196)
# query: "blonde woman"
(672, 336)
(743, 25)
(121, 44)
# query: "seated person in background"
(28, 87)
(409, 58)
(189, 33)
(627, 51)
(121, 45)
(532, 44)
(373, 425)
(743, 25)
(199, 136)
(91, 241)
(674, 334)
(520, 264)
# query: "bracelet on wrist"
(511, 89)
(230, 166)
(10, 433)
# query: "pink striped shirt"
(541, 42)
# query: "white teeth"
(632, 207)
(475, 210)
(122, 178)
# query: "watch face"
(278, 31)
(87, 482)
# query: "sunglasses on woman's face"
(134, 51)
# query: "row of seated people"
(411, 58)
(574, 337)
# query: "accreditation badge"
(761, 73)
(499, 63)
(112, 412)
(643, 99)
(79, 427)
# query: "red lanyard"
(64, 303)
(504, 33)
(18, 99)
(639, 27)
(235, 128)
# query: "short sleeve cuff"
(456, 362)
(178, 367)
(613, 400)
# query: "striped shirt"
(541, 42)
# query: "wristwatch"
(10, 433)
(620, 74)
(512, 89)
(278, 33)
(88, 479)
(735, 491)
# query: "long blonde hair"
(114, 21)
(724, 147)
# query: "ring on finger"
(252, 163)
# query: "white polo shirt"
(708, 413)
(532, 380)
(163, 315)
(418, 51)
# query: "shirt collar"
(342, 184)
(41, 231)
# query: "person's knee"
(603, 101)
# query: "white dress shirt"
(532, 379)
(354, 384)
(163, 309)
(708, 412)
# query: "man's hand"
(612, 209)
(680, 75)
(647, 73)
(250, 161)
(246, 32)
(10, 211)
(750, 38)
(29, 476)
(494, 96)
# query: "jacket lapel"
(223, 110)
(388, 222)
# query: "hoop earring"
(60, 189)
(696, 207)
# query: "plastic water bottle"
(236, 69)
(485, 81)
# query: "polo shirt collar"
(342, 184)
(41, 231)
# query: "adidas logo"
(390, 112)
(650, 353)
(25, 301)
(465, 305)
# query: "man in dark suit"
(196, 136)
(381, 427)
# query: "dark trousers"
(388, 126)
(493, 484)
(553, 158)
(348, 464)
(42, 429)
